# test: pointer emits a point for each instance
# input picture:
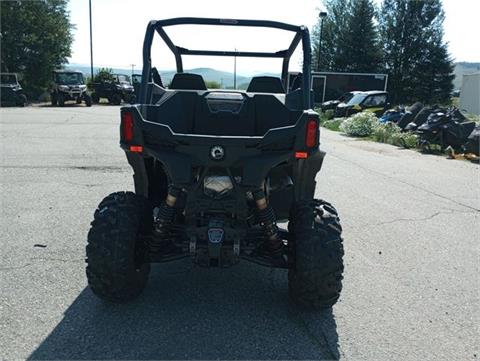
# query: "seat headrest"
(266, 84)
(187, 81)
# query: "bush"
(405, 140)
(359, 125)
(383, 132)
(329, 114)
(333, 124)
(102, 75)
(390, 133)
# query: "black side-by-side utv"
(11, 92)
(115, 91)
(69, 85)
(215, 171)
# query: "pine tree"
(415, 55)
(359, 44)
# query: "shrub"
(383, 132)
(333, 124)
(359, 125)
(405, 140)
(390, 133)
(329, 114)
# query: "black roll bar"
(302, 34)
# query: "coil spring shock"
(164, 215)
(266, 218)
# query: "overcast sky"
(119, 28)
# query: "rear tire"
(315, 279)
(61, 100)
(116, 99)
(116, 252)
(95, 98)
(22, 101)
(53, 98)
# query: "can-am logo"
(217, 152)
(215, 235)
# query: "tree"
(350, 41)
(415, 55)
(36, 37)
(359, 42)
(103, 75)
(212, 84)
(333, 25)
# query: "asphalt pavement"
(411, 288)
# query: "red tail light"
(312, 132)
(127, 127)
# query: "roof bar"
(278, 54)
(234, 22)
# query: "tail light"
(312, 133)
(127, 127)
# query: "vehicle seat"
(266, 84)
(187, 81)
(156, 77)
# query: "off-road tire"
(95, 98)
(22, 100)
(316, 249)
(60, 100)
(53, 99)
(116, 267)
(88, 100)
(116, 99)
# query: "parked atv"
(11, 93)
(445, 130)
(214, 173)
(69, 85)
(115, 91)
(374, 101)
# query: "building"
(470, 94)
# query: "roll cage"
(301, 34)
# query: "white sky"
(119, 28)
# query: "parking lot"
(411, 229)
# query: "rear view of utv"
(216, 172)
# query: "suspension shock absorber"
(266, 218)
(165, 214)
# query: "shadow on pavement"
(188, 312)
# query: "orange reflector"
(136, 148)
(301, 155)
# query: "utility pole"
(91, 42)
(133, 69)
(322, 16)
(235, 70)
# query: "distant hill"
(463, 68)
(222, 77)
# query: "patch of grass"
(333, 124)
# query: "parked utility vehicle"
(115, 90)
(11, 93)
(69, 85)
(214, 173)
(374, 101)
